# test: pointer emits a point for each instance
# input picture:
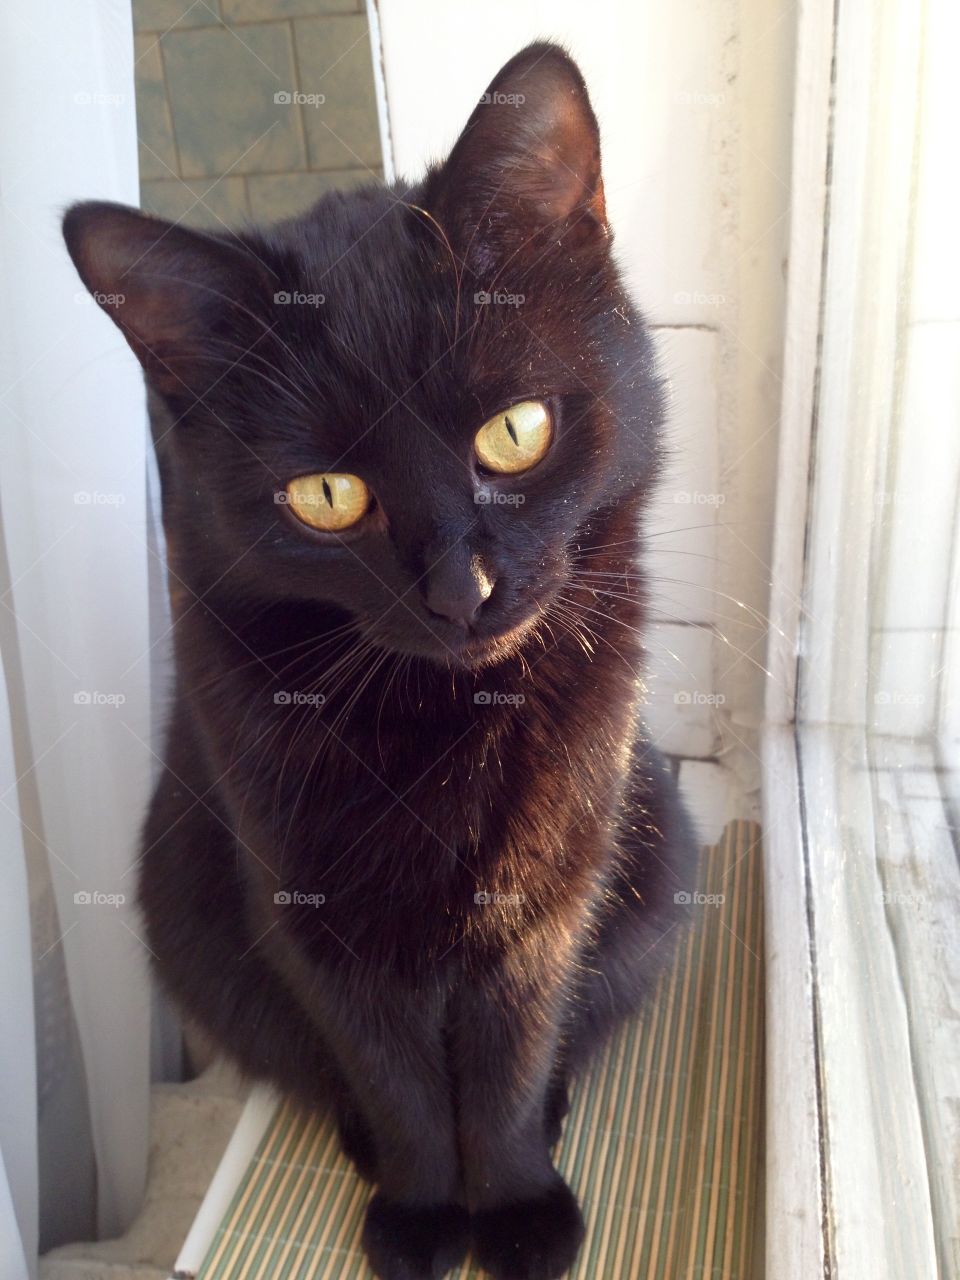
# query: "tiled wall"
(251, 109)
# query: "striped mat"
(662, 1143)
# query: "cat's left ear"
(527, 161)
(183, 299)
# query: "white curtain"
(75, 755)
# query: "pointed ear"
(527, 161)
(182, 299)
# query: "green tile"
(223, 85)
(257, 10)
(225, 202)
(158, 155)
(161, 15)
(283, 195)
(333, 56)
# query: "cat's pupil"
(510, 428)
(327, 493)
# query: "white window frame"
(856, 988)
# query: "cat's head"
(412, 403)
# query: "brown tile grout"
(278, 173)
(298, 84)
(168, 106)
(156, 32)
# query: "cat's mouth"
(484, 650)
(470, 649)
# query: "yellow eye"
(515, 440)
(328, 500)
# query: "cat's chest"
(409, 884)
(352, 819)
(410, 822)
(418, 843)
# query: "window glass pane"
(880, 661)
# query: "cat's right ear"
(527, 163)
(184, 300)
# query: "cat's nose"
(457, 588)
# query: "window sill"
(863, 973)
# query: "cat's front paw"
(535, 1239)
(410, 1242)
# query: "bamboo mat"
(662, 1143)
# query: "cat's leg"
(645, 911)
(526, 1223)
(205, 955)
(389, 1042)
(639, 931)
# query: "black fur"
(420, 906)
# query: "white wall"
(693, 101)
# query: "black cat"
(413, 854)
